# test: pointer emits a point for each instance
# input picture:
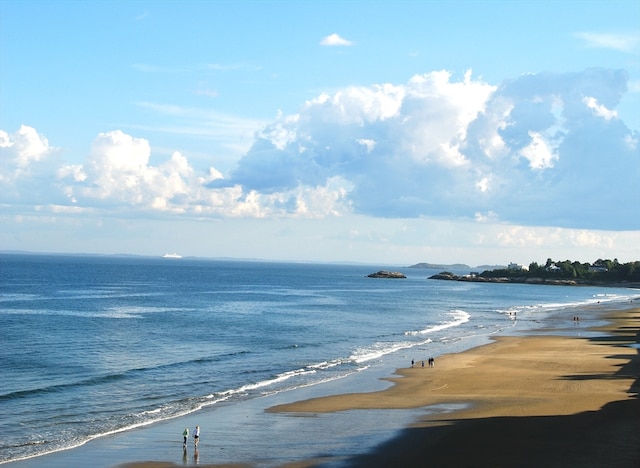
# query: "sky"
(383, 132)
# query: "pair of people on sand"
(196, 436)
(431, 361)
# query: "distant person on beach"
(196, 435)
(185, 434)
(422, 363)
(412, 363)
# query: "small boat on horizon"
(171, 255)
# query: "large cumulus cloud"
(117, 176)
(542, 149)
(27, 163)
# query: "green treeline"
(600, 270)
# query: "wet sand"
(533, 401)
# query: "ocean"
(93, 346)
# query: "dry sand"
(535, 401)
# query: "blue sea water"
(92, 346)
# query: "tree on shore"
(601, 270)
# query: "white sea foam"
(550, 306)
(459, 317)
(266, 383)
(326, 364)
(4, 297)
(380, 349)
(110, 312)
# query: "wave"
(379, 350)
(114, 377)
(276, 379)
(129, 312)
(281, 377)
(459, 317)
(11, 297)
(383, 348)
(187, 406)
(311, 374)
(596, 299)
(79, 442)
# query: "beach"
(533, 401)
(544, 399)
(565, 394)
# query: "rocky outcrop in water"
(386, 274)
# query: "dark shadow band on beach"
(608, 437)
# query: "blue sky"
(382, 132)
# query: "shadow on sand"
(608, 437)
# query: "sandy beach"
(533, 401)
(538, 400)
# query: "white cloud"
(530, 151)
(456, 148)
(27, 162)
(483, 184)
(538, 153)
(488, 217)
(421, 124)
(334, 40)
(519, 236)
(552, 238)
(620, 42)
(117, 174)
(367, 143)
(24, 147)
(632, 141)
(599, 109)
(74, 171)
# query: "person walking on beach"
(185, 435)
(196, 436)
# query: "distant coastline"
(533, 280)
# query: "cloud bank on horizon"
(543, 149)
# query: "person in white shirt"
(196, 436)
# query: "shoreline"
(596, 367)
(541, 399)
(532, 401)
